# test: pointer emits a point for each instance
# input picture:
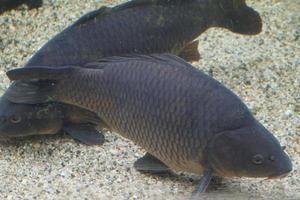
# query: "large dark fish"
(183, 118)
(11, 4)
(140, 26)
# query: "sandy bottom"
(263, 70)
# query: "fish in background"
(12, 4)
(146, 26)
(183, 118)
(135, 27)
(45, 119)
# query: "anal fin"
(85, 133)
(150, 164)
(203, 184)
(190, 53)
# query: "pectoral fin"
(150, 164)
(85, 133)
(190, 53)
(203, 184)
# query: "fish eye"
(258, 159)
(283, 148)
(16, 119)
(272, 158)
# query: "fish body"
(178, 114)
(139, 26)
(144, 26)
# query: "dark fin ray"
(203, 184)
(37, 72)
(150, 164)
(85, 133)
(190, 53)
(30, 92)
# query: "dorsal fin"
(166, 58)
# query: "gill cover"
(250, 151)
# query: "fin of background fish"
(85, 133)
(190, 53)
(150, 164)
(203, 184)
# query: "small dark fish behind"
(47, 119)
(139, 26)
(12, 4)
(183, 118)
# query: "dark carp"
(146, 26)
(183, 118)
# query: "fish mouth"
(281, 174)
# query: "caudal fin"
(244, 21)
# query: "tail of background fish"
(244, 20)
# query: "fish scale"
(163, 115)
(183, 118)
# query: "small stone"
(288, 113)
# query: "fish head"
(250, 152)
(236, 16)
(19, 120)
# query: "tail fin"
(38, 85)
(244, 21)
